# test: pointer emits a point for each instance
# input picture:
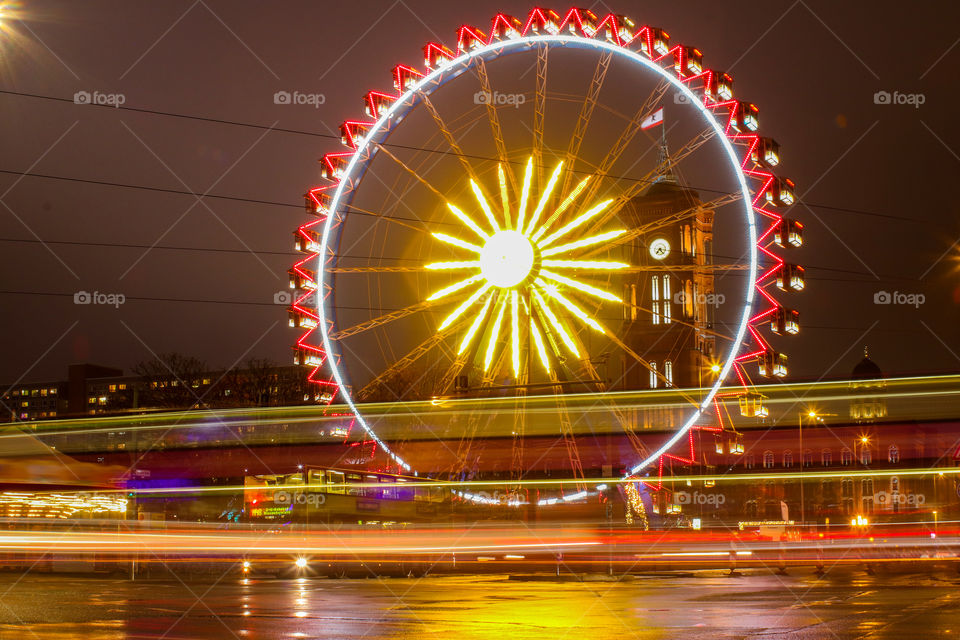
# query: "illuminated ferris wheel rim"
(405, 102)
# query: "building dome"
(866, 369)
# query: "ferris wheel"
(561, 206)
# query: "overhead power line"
(329, 136)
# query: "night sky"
(876, 180)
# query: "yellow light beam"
(570, 305)
(586, 242)
(475, 325)
(589, 265)
(487, 211)
(559, 211)
(467, 220)
(504, 196)
(495, 332)
(525, 194)
(515, 331)
(576, 222)
(555, 322)
(580, 286)
(454, 287)
(457, 242)
(541, 349)
(464, 306)
(544, 197)
(450, 266)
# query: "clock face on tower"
(659, 249)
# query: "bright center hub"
(506, 259)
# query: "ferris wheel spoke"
(412, 269)
(710, 205)
(586, 112)
(539, 109)
(646, 365)
(626, 137)
(543, 307)
(566, 431)
(451, 141)
(683, 323)
(577, 222)
(443, 387)
(665, 268)
(517, 471)
(669, 219)
(388, 218)
(408, 359)
(494, 338)
(580, 286)
(481, 69)
(667, 165)
(383, 319)
(556, 215)
(411, 171)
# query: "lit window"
(866, 456)
(768, 460)
(893, 454)
(866, 495)
(788, 458)
(654, 380)
(112, 388)
(826, 457)
(655, 296)
(846, 457)
(666, 300)
(668, 372)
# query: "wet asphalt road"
(709, 605)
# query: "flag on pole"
(652, 120)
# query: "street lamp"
(864, 442)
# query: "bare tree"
(173, 380)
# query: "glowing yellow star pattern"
(515, 286)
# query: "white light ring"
(464, 59)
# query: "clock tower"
(669, 302)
